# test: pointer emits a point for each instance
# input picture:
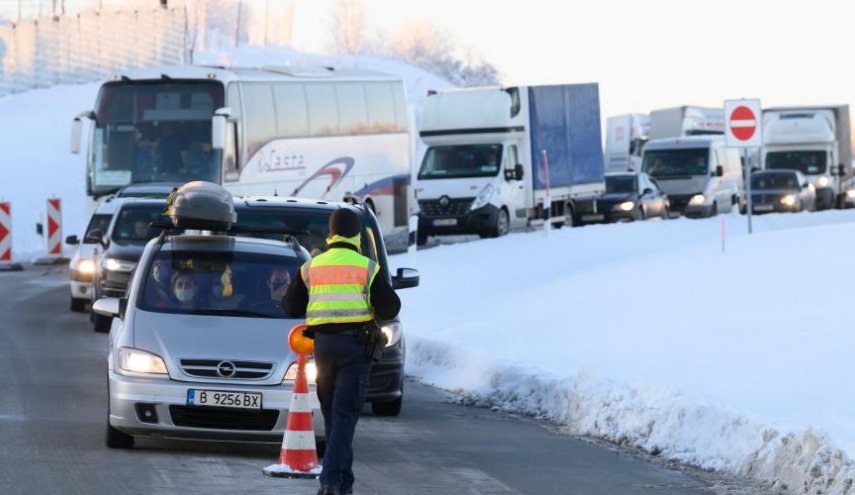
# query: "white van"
(82, 264)
(700, 174)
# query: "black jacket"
(384, 300)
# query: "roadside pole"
(743, 128)
(547, 201)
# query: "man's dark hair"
(344, 222)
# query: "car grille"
(679, 201)
(207, 368)
(454, 208)
(220, 418)
(765, 199)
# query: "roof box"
(201, 205)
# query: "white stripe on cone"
(298, 440)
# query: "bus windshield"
(148, 132)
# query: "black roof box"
(201, 206)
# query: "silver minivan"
(700, 174)
(198, 347)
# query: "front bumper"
(474, 222)
(698, 211)
(81, 290)
(113, 284)
(130, 396)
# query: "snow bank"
(647, 335)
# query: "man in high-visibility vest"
(340, 292)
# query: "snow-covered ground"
(644, 334)
(647, 334)
(37, 163)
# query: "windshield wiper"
(230, 312)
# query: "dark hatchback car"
(120, 249)
(781, 191)
(628, 196)
(386, 385)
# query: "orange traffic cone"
(298, 457)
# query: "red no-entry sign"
(742, 127)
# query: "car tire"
(78, 305)
(421, 238)
(638, 214)
(388, 408)
(666, 213)
(116, 439)
(101, 324)
(714, 211)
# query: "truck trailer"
(497, 158)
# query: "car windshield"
(763, 181)
(314, 222)
(620, 184)
(219, 283)
(132, 223)
(676, 162)
(806, 162)
(100, 222)
(446, 162)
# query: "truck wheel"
(77, 305)
(101, 324)
(502, 226)
(421, 238)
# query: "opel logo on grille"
(226, 369)
(443, 201)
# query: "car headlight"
(823, 181)
(137, 361)
(114, 265)
(311, 372)
(626, 206)
(697, 199)
(484, 196)
(850, 194)
(392, 331)
(86, 267)
(789, 200)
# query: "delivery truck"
(686, 121)
(625, 139)
(816, 141)
(504, 158)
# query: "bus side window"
(261, 128)
(323, 109)
(381, 107)
(292, 116)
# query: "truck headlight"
(392, 331)
(484, 197)
(137, 361)
(626, 206)
(86, 267)
(789, 200)
(823, 181)
(114, 265)
(697, 199)
(311, 372)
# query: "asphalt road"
(52, 417)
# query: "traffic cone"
(298, 457)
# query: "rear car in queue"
(628, 197)
(120, 247)
(309, 218)
(781, 191)
(198, 347)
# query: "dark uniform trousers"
(342, 386)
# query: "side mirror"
(219, 127)
(72, 240)
(107, 306)
(94, 236)
(76, 135)
(647, 191)
(841, 170)
(719, 171)
(518, 172)
(405, 278)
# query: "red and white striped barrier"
(54, 231)
(298, 457)
(5, 233)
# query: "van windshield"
(806, 162)
(676, 162)
(454, 162)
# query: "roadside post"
(6, 264)
(53, 238)
(412, 239)
(547, 201)
(743, 129)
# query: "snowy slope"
(646, 334)
(37, 163)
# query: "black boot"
(328, 490)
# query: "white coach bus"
(316, 133)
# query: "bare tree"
(349, 26)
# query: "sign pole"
(743, 129)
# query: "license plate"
(445, 222)
(220, 398)
(763, 207)
(593, 218)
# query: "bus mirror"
(76, 133)
(219, 127)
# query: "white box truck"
(686, 121)
(815, 141)
(625, 139)
(488, 151)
